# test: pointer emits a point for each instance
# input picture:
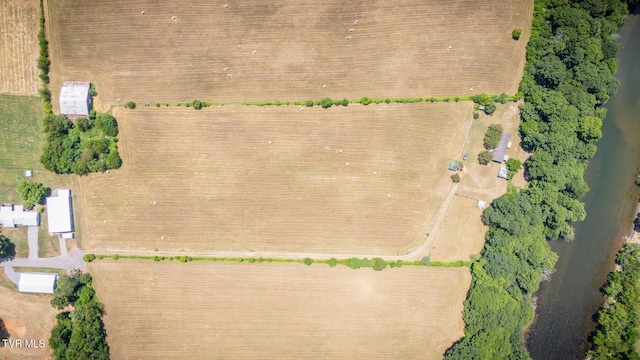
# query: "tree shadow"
(4, 333)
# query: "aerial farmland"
(260, 179)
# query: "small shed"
(500, 151)
(75, 99)
(37, 283)
(453, 166)
(481, 204)
(28, 173)
(503, 173)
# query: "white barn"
(37, 283)
(14, 215)
(59, 213)
(75, 99)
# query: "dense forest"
(618, 320)
(567, 81)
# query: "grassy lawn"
(21, 142)
(20, 139)
(39, 270)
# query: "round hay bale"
(226, 6)
(254, 52)
(174, 18)
(142, 12)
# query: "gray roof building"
(501, 149)
(74, 98)
(14, 215)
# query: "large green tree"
(32, 193)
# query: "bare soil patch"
(232, 310)
(26, 317)
(19, 47)
(344, 179)
(462, 234)
(163, 51)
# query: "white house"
(75, 99)
(37, 283)
(60, 213)
(14, 215)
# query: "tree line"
(616, 333)
(79, 333)
(567, 80)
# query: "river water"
(567, 303)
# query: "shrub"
(197, 104)
(516, 33)
(332, 262)
(455, 178)
(92, 90)
(308, 103)
(326, 103)
(130, 105)
(156, 104)
(476, 115)
(379, 264)
(89, 257)
(32, 193)
(364, 101)
(490, 108)
(107, 124)
(83, 124)
(307, 261)
(7, 248)
(115, 256)
(353, 263)
(514, 164)
(426, 260)
(485, 157)
(492, 137)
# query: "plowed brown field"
(278, 311)
(287, 50)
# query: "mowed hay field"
(19, 47)
(278, 311)
(345, 179)
(26, 317)
(463, 233)
(287, 50)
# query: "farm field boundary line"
(502, 98)
(306, 261)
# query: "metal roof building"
(74, 98)
(59, 212)
(13, 215)
(500, 151)
(37, 283)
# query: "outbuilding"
(500, 151)
(37, 283)
(75, 99)
(60, 213)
